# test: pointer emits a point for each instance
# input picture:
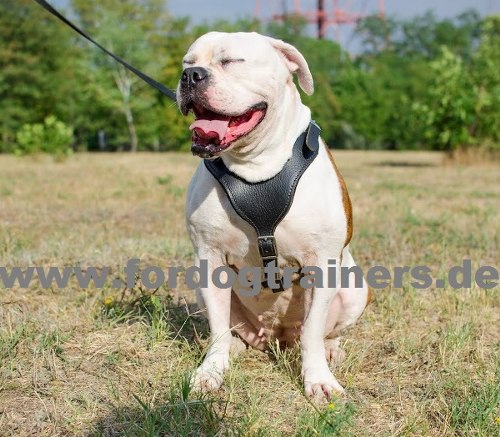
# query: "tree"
(376, 33)
(462, 106)
(133, 30)
(425, 35)
(36, 62)
(419, 83)
(417, 87)
(450, 108)
(486, 77)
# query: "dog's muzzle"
(193, 84)
(193, 77)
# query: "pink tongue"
(207, 128)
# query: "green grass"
(474, 405)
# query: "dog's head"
(233, 83)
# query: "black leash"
(164, 90)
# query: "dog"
(240, 87)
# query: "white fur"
(313, 232)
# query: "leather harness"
(264, 204)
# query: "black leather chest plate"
(264, 204)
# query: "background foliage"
(423, 83)
(53, 136)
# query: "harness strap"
(264, 204)
(163, 89)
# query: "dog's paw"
(204, 381)
(320, 384)
(333, 352)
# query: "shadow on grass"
(158, 311)
(177, 414)
(409, 164)
(181, 413)
(187, 321)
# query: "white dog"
(249, 113)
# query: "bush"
(449, 113)
(53, 136)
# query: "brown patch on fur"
(346, 200)
(371, 296)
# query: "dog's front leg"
(319, 381)
(216, 302)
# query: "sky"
(201, 10)
(209, 10)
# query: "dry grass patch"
(117, 362)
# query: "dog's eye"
(228, 61)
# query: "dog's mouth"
(214, 132)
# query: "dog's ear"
(296, 63)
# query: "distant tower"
(338, 15)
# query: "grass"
(117, 361)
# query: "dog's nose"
(194, 75)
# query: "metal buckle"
(269, 254)
(267, 247)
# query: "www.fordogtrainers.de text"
(249, 280)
